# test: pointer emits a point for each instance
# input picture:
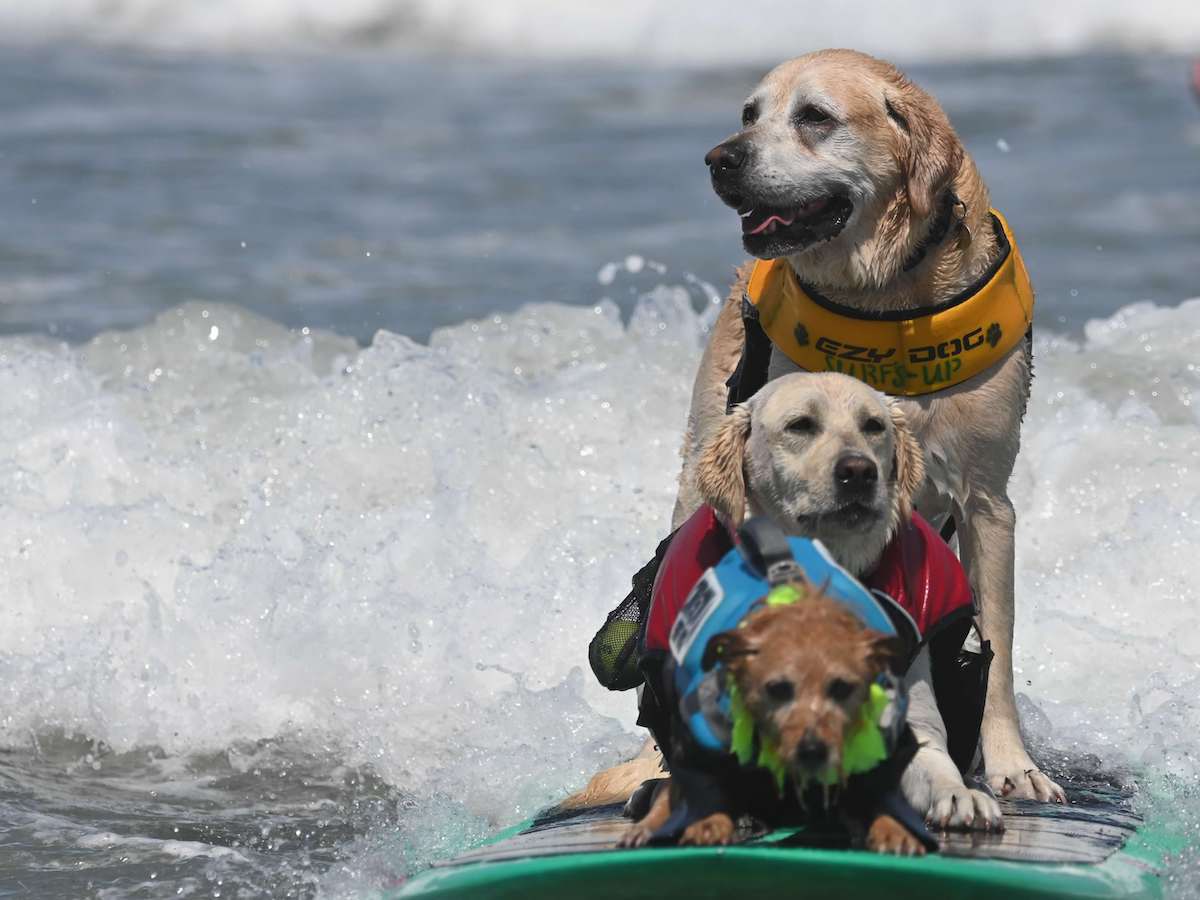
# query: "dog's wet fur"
(781, 455)
(833, 125)
(804, 671)
(854, 175)
(823, 456)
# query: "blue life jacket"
(728, 591)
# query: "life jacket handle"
(765, 548)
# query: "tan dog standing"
(854, 175)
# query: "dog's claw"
(636, 836)
(964, 809)
(888, 836)
(711, 831)
(1028, 784)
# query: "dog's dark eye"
(872, 426)
(812, 115)
(749, 114)
(779, 690)
(803, 425)
(839, 689)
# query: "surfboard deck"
(1096, 846)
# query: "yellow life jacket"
(907, 352)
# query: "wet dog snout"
(855, 474)
(811, 752)
(727, 157)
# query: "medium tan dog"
(804, 671)
(781, 455)
(844, 168)
(784, 455)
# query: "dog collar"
(907, 352)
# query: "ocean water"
(354, 191)
(343, 362)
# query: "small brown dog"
(804, 672)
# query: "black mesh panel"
(613, 652)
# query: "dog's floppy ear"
(908, 463)
(886, 651)
(934, 152)
(725, 646)
(720, 474)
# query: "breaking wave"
(649, 31)
(219, 530)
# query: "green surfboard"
(1093, 847)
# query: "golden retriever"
(845, 168)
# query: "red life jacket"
(922, 574)
(698, 545)
(917, 570)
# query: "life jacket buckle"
(784, 571)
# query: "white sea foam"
(653, 31)
(106, 840)
(218, 530)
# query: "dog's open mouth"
(849, 516)
(768, 232)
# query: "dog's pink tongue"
(770, 220)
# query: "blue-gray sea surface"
(374, 190)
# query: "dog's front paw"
(886, 835)
(710, 831)
(637, 835)
(956, 807)
(1025, 782)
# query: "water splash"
(649, 31)
(223, 533)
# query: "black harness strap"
(766, 548)
(948, 529)
(938, 230)
(751, 372)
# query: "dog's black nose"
(727, 157)
(855, 472)
(811, 751)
